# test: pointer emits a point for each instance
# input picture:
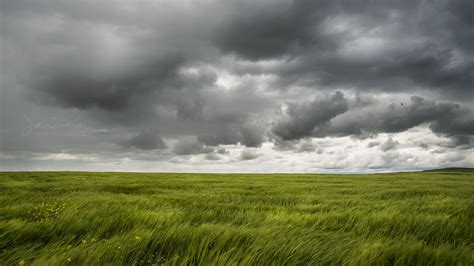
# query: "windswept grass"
(59, 218)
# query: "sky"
(263, 86)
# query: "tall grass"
(59, 218)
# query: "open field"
(57, 218)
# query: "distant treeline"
(451, 169)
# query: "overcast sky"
(236, 86)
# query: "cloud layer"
(184, 83)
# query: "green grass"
(59, 218)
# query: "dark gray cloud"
(318, 120)
(269, 29)
(222, 151)
(336, 116)
(259, 71)
(145, 140)
(461, 20)
(389, 144)
(462, 141)
(249, 154)
(212, 157)
(383, 45)
(225, 135)
(187, 147)
(78, 87)
(309, 146)
(190, 110)
(302, 119)
(444, 118)
(300, 146)
(247, 134)
(424, 145)
(373, 144)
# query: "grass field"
(58, 218)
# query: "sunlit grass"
(60, 218)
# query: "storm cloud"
(183, 79)
(187, 147)
(145, 140)
(302, 119)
